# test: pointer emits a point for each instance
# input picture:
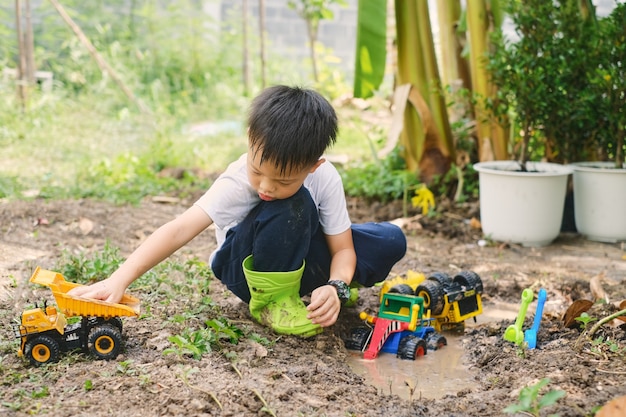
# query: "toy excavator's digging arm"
(382, 330)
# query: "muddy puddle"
(434, 375)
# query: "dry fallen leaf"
(622, 306)
(42, 221)
(614, 408)
(165, 199)
(475, 223)
(85, 225)
(597, 292)
(408, 223)
(575, 310)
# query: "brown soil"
(294, 377)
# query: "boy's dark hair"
(291, 126)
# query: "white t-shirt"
(231, 198)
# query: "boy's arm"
(325, 305)
(166, 240)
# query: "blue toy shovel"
(514, 332)
(530, 335)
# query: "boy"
(281, 220)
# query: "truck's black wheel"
(436, 341)
(405, 289)
(113, 321)
(359, 336)
(441, 277)
(117, 322)
(42, 349)
(105, 341)
(411, 347)
(432, 293)
(470, 280)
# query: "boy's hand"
(325, 306)
(105, 290)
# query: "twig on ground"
(587, 335)
(608, 371)
(209, 393)
(265, 406)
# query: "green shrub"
(383, 180)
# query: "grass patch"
(70, 148)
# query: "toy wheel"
(42, 349)
(432, 293)
(441, 277)
(405, 289)
(105, 341)
(359, 336)
(411, 347)
(436, 341)
(469, 280)
(117, 322)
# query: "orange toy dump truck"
(45, 333)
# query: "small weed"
(531, 402)
(88, 385)
(189, 278)
(382, 180)
(494, 381)
(83, 269)
(191, 343)
(225, 330)
(585, 319)
(125, 368)
(261, 340)
(600, 345)
(197, 342)
(13, 406)
(144, 379)
(41, 392)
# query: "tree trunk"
(104, 66)
(244, 59)
(22, 91)
(455, 70)
(262, 41)
(312, 31)
(491, 136)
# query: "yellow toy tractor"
(451, 300)
(45, 332)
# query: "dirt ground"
(312, 377)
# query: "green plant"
(608, 80)
(584, 319)
(313, 12)
(383, 180)
(587, 334)
(458, 184)
(126, 368)
(541, 79)
(83, 269)
(195, 343)
(530, 400)
(191, 343)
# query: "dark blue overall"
(281, 233)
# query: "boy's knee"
(390, 240)
(397, 240)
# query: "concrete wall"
(286, 32)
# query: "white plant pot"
(522, 207)
(600, 201)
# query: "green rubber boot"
(275, 301)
